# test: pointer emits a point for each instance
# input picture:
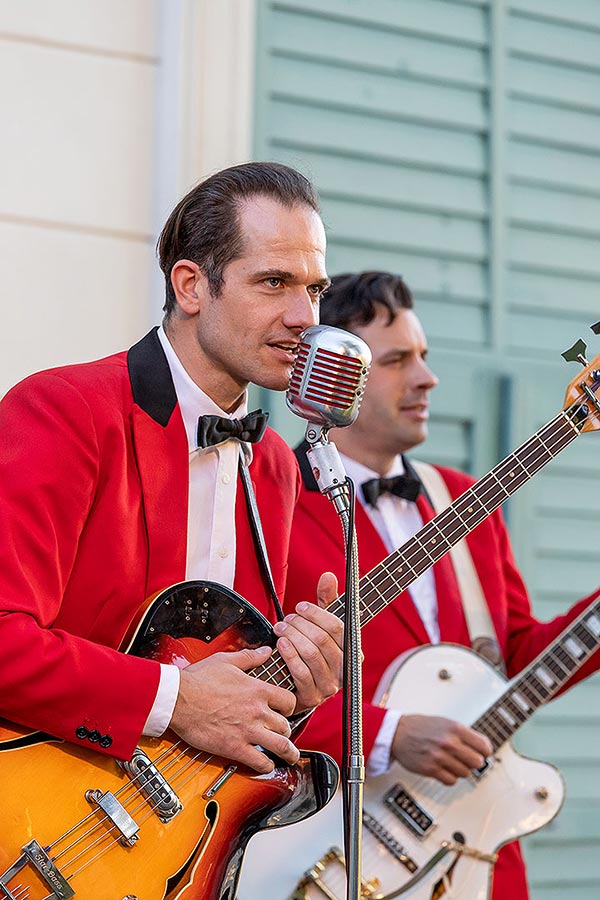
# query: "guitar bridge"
(34, 855)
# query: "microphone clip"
(327, 467)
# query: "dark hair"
(205, 227)
(353, 299)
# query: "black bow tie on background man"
(215, 429)
(404, 486)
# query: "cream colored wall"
(110, 110)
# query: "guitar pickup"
(152, 785)
(406, 808)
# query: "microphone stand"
(332, 480)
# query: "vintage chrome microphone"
(326, 387)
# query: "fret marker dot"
(512, 474)
(432, 540)
(470, 509)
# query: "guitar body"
(153, 850)
(514, 796)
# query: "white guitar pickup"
(408, 810)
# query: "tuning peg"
(577, 352)
(596, 328)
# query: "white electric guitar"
(422, 840)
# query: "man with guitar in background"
(377, 306)
(112, 489)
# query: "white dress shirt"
(396, 520)
(211, 511)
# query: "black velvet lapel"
(150, 377)
(305, 470)
(309, 479)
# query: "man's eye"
(316, 289)
(274, 282)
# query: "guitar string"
(136, 793)
(21, 892)
(92, 817)
(115, 839)
(278, 670)
(107, 828)
(98, 823)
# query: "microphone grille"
(329, 375)
(334, 378)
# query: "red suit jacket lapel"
(162, 459)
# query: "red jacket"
(93, 520)
(317, 544)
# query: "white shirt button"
(223, 552)
(226, 478)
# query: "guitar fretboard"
(402, 567)
(541, 680)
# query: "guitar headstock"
(582, 398)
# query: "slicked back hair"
(354, 299)
(205, 225)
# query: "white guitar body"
(512, 797)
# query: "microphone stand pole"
(333, 482)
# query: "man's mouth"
(289, 347)
(416, 409)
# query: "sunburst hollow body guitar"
(170, 824)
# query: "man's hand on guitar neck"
(222, 710)
(439, 748)
(310, 642)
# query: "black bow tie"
(404, 486)
(215, 429)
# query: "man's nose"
(427, 378)
(302, 310)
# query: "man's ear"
(190, 285)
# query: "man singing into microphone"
(391, 507)
(120, 477)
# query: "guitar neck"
(401, 568)
(542, 678)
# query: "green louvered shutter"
(459, 144)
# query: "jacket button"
(105, 740)
(81, 733)
(94, 736)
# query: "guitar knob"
(444, 674)
(541, 793)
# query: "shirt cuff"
(380, 757)
(164, 702)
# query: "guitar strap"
(479, 622)
(257, 532)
